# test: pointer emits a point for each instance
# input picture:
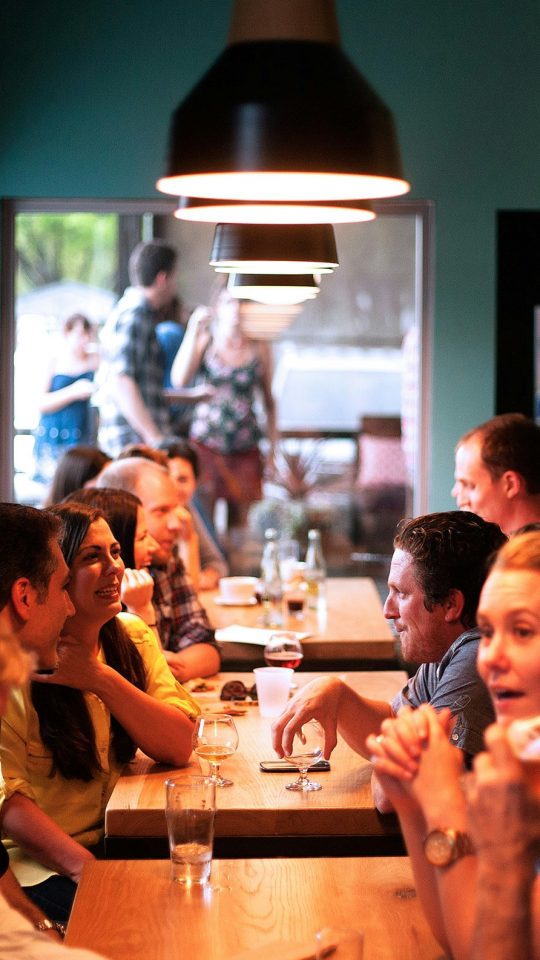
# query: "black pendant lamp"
(283, 116)
(273, 248)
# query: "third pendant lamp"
(283, 115)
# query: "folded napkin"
(237, 634)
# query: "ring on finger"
(380, 738)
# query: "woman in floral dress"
(225, 427)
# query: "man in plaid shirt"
(185, 632)
(131, 400)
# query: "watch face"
(439, 848)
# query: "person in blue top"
(66, 415)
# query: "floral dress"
(227, 422)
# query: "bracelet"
(47, 924)
(154, 624)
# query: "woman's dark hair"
(64, 721)
(76, 467)
(120, 511)
(177, 447)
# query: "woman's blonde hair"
(522, 552)
(15, 664)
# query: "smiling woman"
(127, 519)
(64, 740)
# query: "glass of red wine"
(283, 650)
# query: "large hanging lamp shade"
(283, 115)
(272, 248)
(276, 289)
(204, 210)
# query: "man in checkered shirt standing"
(131, 400)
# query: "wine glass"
(283, 650)
(307, 749)
(214, 739)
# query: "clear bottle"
(315, 572)
(272, 589)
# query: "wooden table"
(351, 628)
(257, 816)
(133, 911)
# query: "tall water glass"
(189, 809)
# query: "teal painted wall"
(88, 90)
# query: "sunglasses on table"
(237, 690)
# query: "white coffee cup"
(237, 589)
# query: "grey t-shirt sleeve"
(419, 689)
(455, 684)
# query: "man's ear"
(161, 278)
(453, 606)
(23, 598)
(512, 484)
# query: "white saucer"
(221, 602)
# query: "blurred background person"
(184, 629)
(187, 540)
(78, 467)
(183, 464)
(497, 472)
(132, 404)
(224, 427)
(66, 415)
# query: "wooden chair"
(381, 485)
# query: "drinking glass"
(214, 739)
(295, 601)
(283, 650)
(307, 749)
(189, 809)
(288, 553)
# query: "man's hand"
(209, 578)
(77, 667)
(318, 700)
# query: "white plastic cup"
(189, 809)
(273, 688)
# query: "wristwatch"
(443, 846)
(47, 924)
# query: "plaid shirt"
(180, 618)
(130, 347)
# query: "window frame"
(422, 210)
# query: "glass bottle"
(272, 589)
(315, 572)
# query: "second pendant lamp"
(275, 249)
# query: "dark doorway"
(518, 293)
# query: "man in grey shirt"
(437, 571)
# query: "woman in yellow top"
(65, 738)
